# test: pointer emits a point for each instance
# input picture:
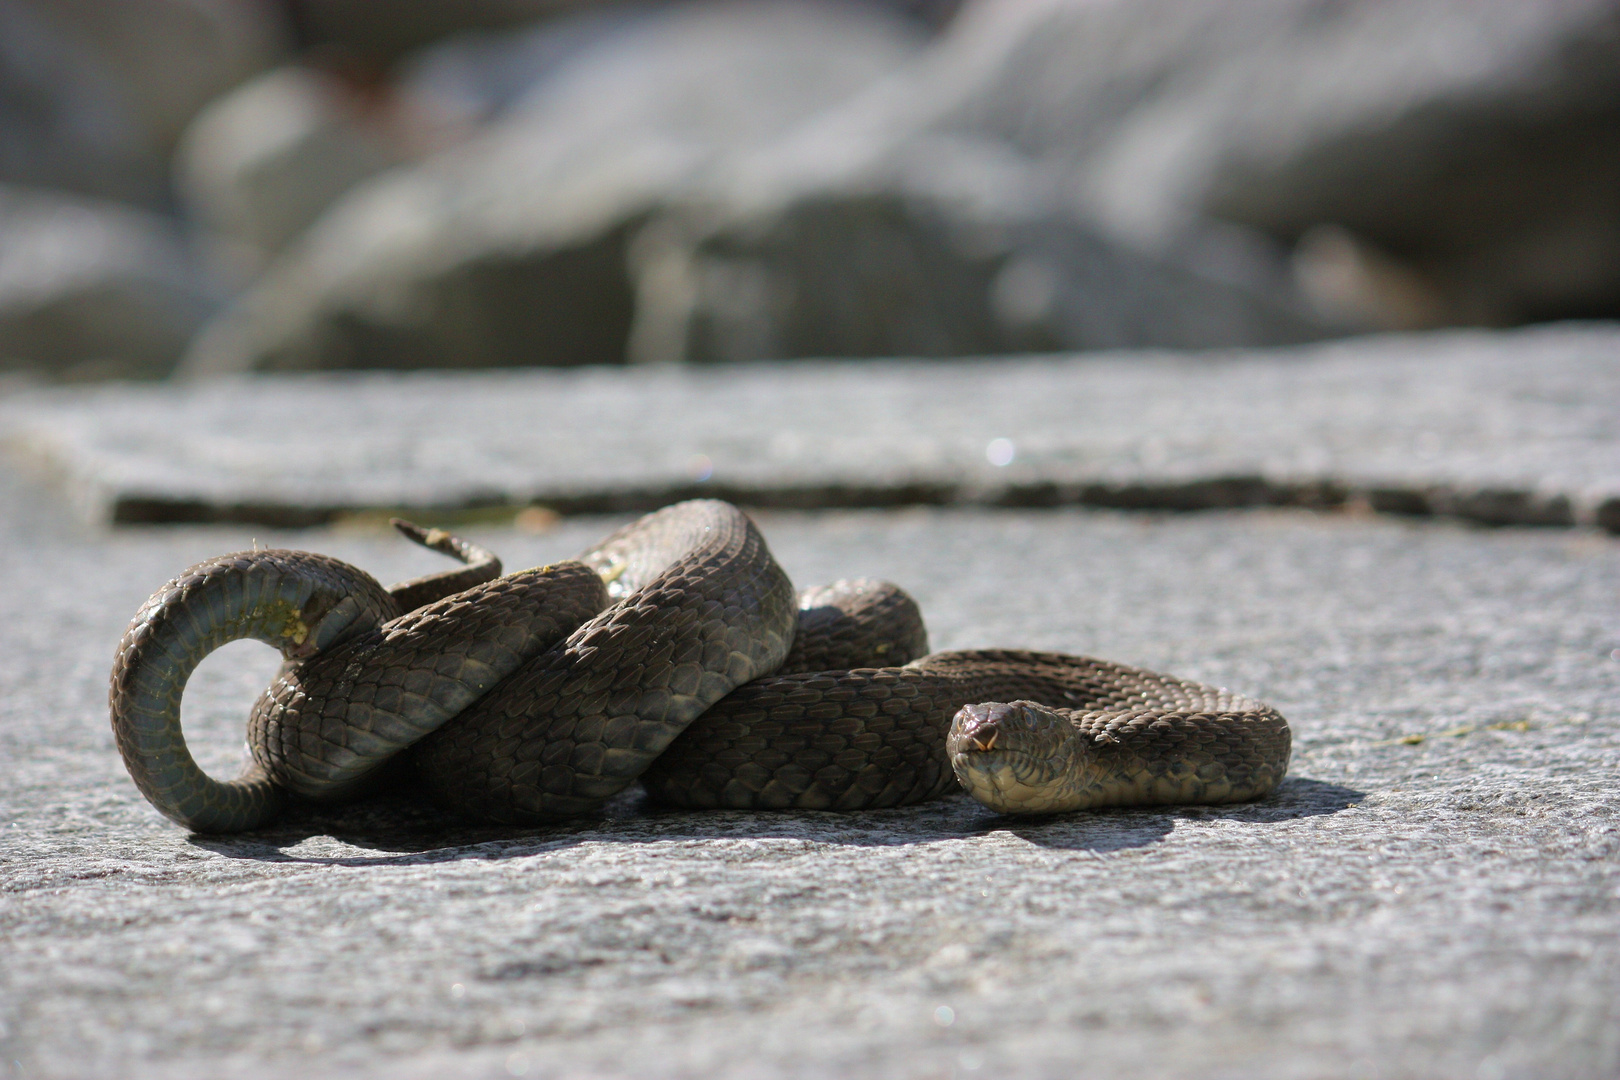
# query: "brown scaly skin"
(1022, 757)
(852, 740)
(543, 693)
(326, 725)
(701, 608)
(316, 730)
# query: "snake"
(674, 653)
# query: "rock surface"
(63, 121)
(1474, 146)
(92, 289)
(93, 96)
(1513, 427)
(170, 57)
(261, 163)
(511, 248)
(928, 247)
(1435, 891)
(709, 181)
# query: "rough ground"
(1435, 891)
(1514, 427)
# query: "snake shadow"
(396, 830)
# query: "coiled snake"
(674, 652)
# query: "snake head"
(1016, 757)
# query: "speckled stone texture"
(1513, 427)
(1434, 891)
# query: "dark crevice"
(1483, 506)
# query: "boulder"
(1462, 155)
(259, 164)
(169, 58)
(934, 246)
(366, 31)
(378, 35)
(1206, 167)
(511, 248)
(64, 120)
(742, 180)
(92, 289)
(94, 95)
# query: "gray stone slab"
(1500, 427)
(1434, 892)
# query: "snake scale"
(676, 653)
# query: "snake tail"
(298, 602)
(481, 565)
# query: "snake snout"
(978, 728)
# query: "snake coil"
(675, 652)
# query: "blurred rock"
(1472, 147)
(91, 289)
(261, 163)
(937, 247)
(170, 57)
(367, 32)
(93, 95)
(258, 165)
(472, 78)
(511, 248)
(1048, 174)
(64, 120)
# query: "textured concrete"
(1515, 427)
(1435, 891)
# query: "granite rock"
(510, 249)
(1433, 893)
(929, 246)
(92, 289)
(1466, 150)
(1496, 427)
(262, 162)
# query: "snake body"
(674, 652)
